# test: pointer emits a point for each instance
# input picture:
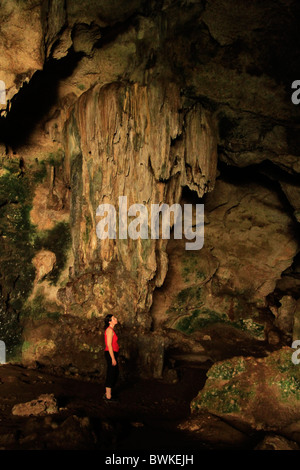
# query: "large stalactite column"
(140, 142)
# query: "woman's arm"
(109, 337)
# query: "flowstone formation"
(162, 102)
(118, 144)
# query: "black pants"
(112, 372)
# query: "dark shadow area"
(34, 100)
(268, 175)
(264, 173)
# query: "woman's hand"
(114, 362)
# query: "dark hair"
(107, 320)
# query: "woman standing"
(111, 356)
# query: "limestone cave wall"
(163, 102)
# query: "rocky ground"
(39, 411)
(70, 413)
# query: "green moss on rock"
(40, 307)
(39, 170)
(57, 240)
(197, 320)
(16, 249)
(56, 158)
(192, 315)
(286, 376)
(225, 400)
(262, 393)
(227, 370)
(19, 243)
(186, 299)
(223, 392)
(190, 268)
(203, 317)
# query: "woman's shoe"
(109, 400)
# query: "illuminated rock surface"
(175, 102)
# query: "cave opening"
(34, 100)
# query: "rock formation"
(162, 102)
(246, 392)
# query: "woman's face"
(113, 321)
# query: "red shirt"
(115, 345)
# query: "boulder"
(254, 394)
(45, 404)
(275, 442)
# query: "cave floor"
(147, 416)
